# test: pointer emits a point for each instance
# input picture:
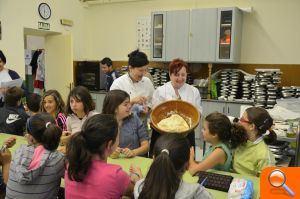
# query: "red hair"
(176, 65)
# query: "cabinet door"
(203, 27)
(229, 34)
(233, 109)
(177, 35)
(100, 99)
(158, 36)
(211, 106)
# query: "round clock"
(44, 11)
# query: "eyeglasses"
(244, 121)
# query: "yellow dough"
(175, 123)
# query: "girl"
(164, 178)
(37, 168)
(133, 133)
(80, 106)
(255, 155)
(88, 174)
(53, 104)
(222, 135)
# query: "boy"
(13, 117)
(111, 74)
(33, 102)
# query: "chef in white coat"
(139, 87)
(177, 88)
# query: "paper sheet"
(12, 83)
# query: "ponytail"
(43, 129)
(171, 154)
(79, 159)
(162, 180)
(271, 137)
(51, 137)
(96, 132)
(238, 135)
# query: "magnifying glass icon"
(277, 179)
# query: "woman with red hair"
(177, 89)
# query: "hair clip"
(165, 150)
(47, 124)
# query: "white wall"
(16, 15)
(270, 32)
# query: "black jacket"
(12, 120)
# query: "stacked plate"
(160, 77)
(265, 91)
(287, 92)
(296, 91)
(230, 83)
(248, 87)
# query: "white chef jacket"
(142, 88)
(187, 93)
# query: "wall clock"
(44, 11)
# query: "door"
(203, 35)
(59, 63)
(177, 35)
(158, 36)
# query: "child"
(37, 168)
(164, 179)
(53, 104)
(110, 73)
(80, 107)
(222, 135)
(33, 102)
(13, 117)
(251, 158)
(5, 158)
(88, 175)
(133, 134)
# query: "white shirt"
(187, 93)
(4, 77)
(74, 124)
(134, 89)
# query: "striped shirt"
(42, 181)
(61, 121)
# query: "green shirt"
(227, 165)
(251, 158)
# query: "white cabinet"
(209, 35)
(225, 107)
(229, 35)
(98, 98)
(158, 44)
(177, 34)
(203, 28)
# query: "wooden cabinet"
(177, 35)
(203, 31)
(229, 35)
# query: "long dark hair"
(96, 132)
(60, 104)
(80, 93)
(112, 100)
(171, 154)
(263, 122)
(233, 134)
(44, 130)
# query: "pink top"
(36, 158)
(103, 181)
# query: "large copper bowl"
(186, 110)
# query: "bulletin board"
(143, 28)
